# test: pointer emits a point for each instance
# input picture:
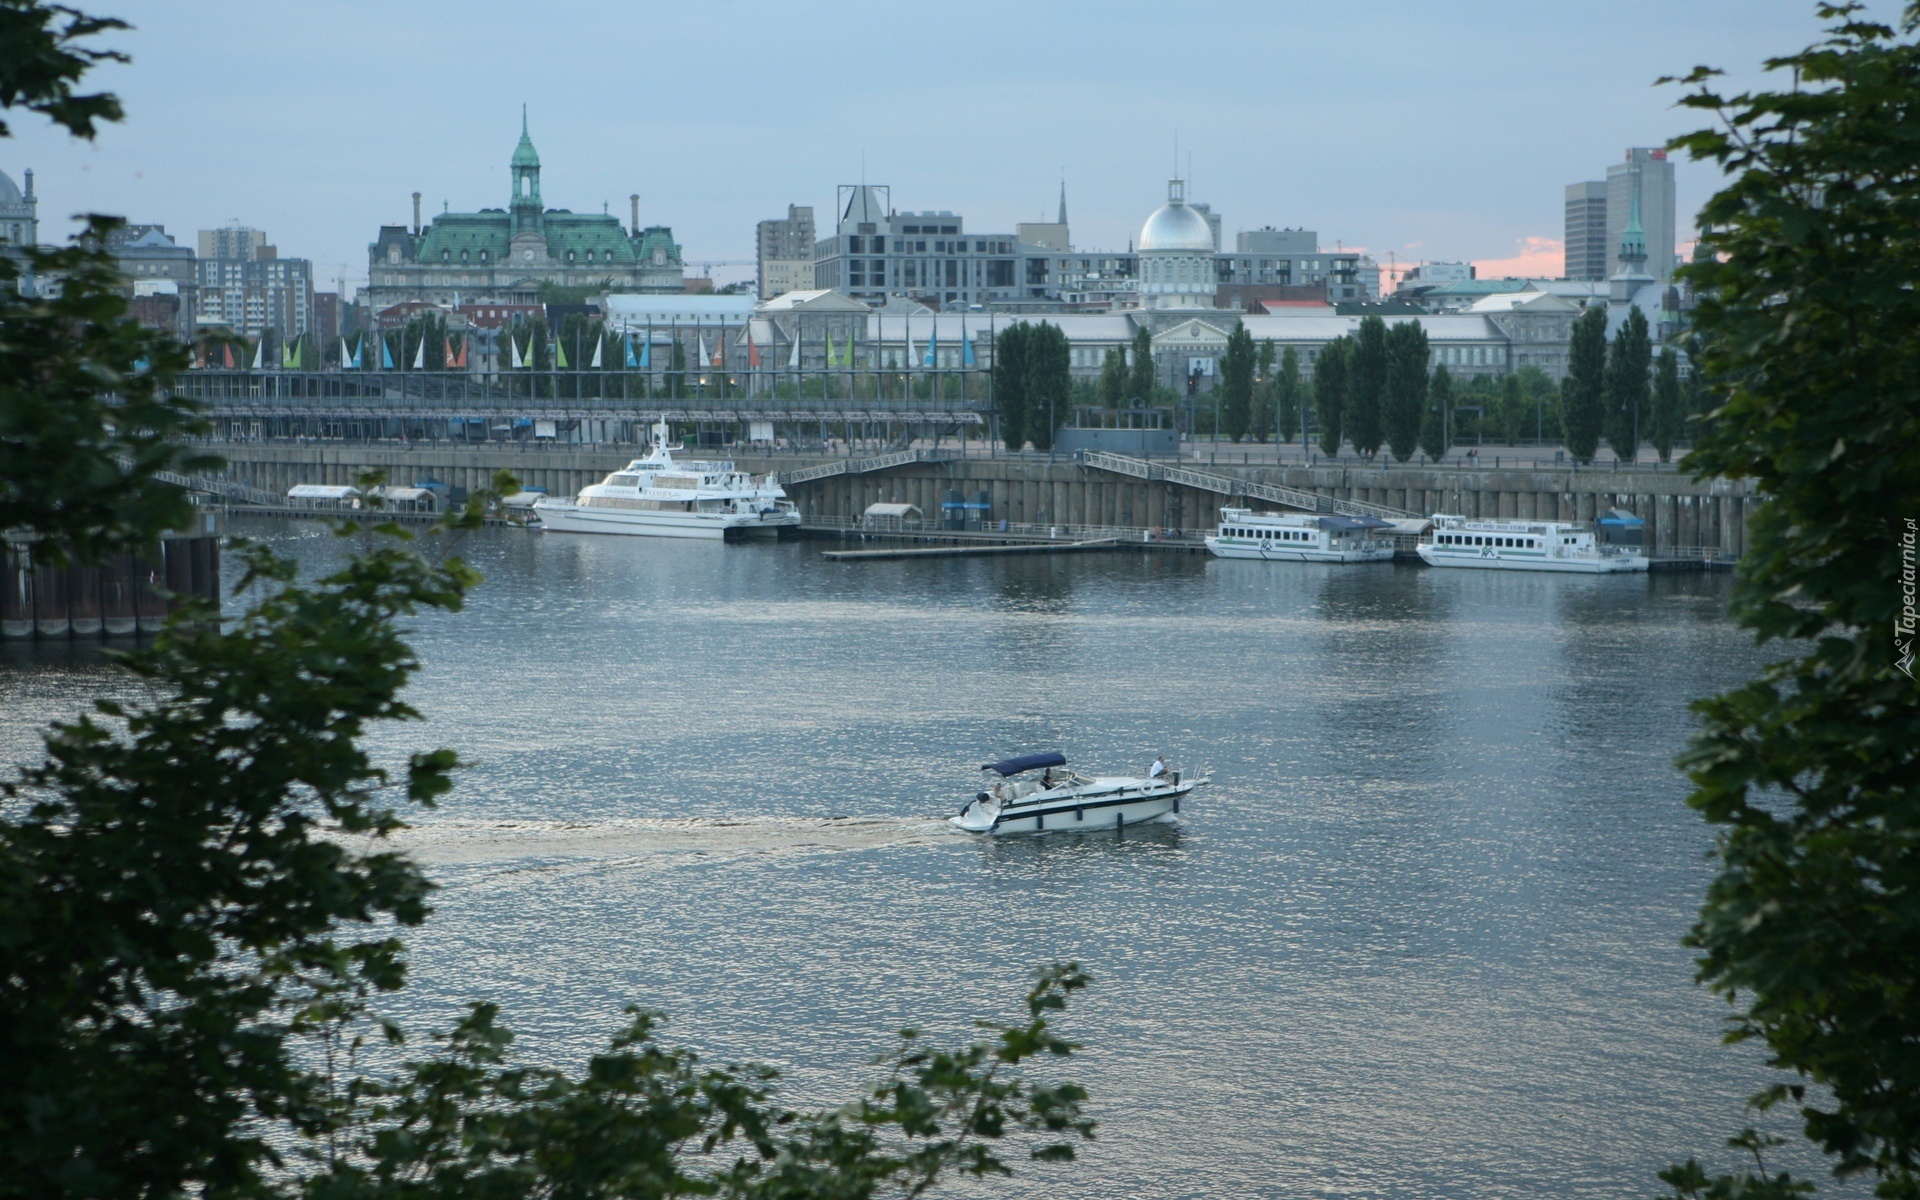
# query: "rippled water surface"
(1419, 937)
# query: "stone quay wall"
(1679, 510)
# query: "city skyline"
(1436, 154)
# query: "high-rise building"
(1645, 175)
(1587, 248)
(783, 255)
(245, 285)
(234, 241)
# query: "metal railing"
(1228, 486)
(858, 466)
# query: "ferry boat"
(658, 497)
(1300, 537)
(1523, 546)
(1062, 800)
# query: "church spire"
(526, 206)
(1633, 239)
(1063, 200)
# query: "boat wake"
(449, 843)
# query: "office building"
(1264, 260)
(928, 257)
(1586, 231)
(783, 254)
(1645, 176)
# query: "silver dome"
(1174, 226)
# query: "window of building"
(879, 245)
(949, 229)
(855, 244)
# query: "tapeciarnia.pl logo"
(1903, 625)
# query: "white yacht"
(1301, 537)
(1067, 800)
(658, 497)
(1524, 546)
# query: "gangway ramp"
(1232, 488)
(859, 466)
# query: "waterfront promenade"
(1679, 510)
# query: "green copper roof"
(524, 154)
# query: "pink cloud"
(1536, 257)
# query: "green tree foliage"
(675, 376)
(1366, 386)
(1582, 392)
(1236, 384)
(1265, 387)
(1330, 393)
(46, 56)
(1511, 413)
(1011, 357)
(1143, 381)
(1404, 398)
(1667, 415)
(1113, 379)
(86, 418)
(1436, 421)
(199, 906)
(1627, 393)
(1049, 383)
(1810, 773)
(431, 329)
(1540, 402)
(1287, 393)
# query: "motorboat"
(1524, 546)
(1301, 537)
(1060, 799)
(656, 496)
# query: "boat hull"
(1221, 549)
(1613, 565)
(1089, 813)
(572, 518)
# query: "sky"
(1417, 131)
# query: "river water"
(1419, 938)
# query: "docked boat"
(1524, 546)
(1301, 537)
(658, 497)
(1060, 799)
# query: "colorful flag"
(447, 357)
(287, 360)
(626, 347)
(559, 354)
(793, 356)
(419, 352)
(753, 351)
(461, 363)
(704, 356)
(386, 353)
(259, 348)
(226, 351)
(933, 346)
(830, 352)
(515, 343)
(966, 345)
(599, 343)
(720, 349)
(346, 356)
(646, 350)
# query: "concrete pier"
(1678, 510)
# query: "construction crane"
(707, 265)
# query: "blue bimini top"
(1027, 762)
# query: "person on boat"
(1158, 770)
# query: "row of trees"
(1372, 388)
